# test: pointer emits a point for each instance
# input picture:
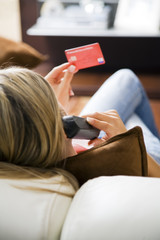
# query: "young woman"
(35, 196)
(31, 131)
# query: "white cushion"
(115, 208)
(31, 210)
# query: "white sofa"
(114, 208)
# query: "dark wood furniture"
(140, 53)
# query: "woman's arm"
(60, 78)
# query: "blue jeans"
(124, 92)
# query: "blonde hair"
(31, 131)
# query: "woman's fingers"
(96, 142)
(56, 75)
(97, 123)
(109, 122)
(65, 86)
(68, 75)
(104, 115)
(57, 70)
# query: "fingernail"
(90, 120)
(71, 68)
(71, 93)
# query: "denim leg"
(115, 93)
(144, 110)
(123, 92)
(152, 143)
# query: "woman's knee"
(127, 76)
(126, 72)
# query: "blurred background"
(127, 30)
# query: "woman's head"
(31, 132)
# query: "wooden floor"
(85, 85)
(156, 111)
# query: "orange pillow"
(18, 53)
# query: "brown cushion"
(18, 53)
(124, 154)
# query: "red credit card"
(85, 56)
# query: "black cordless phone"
(79, 128)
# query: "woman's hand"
(109, 122)
(60, 78)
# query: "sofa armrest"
(118, 207)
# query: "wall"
(10, 26)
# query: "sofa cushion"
(34, 208)
(124, 154)
(115, 208)
(18, 53)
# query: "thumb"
(69, 74)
